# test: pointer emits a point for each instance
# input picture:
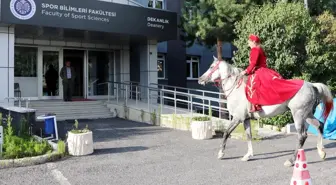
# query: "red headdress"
(254, 38)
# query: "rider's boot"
(255, 108)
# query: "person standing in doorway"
(68, 77)
(51, 78)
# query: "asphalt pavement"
(131, 153)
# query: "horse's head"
(218, 70)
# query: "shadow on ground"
(103, 151)
(110, 129)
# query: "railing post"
(148, 99)
(136, 96)
(203, 101)
(27, 103)
(210, 106)
(220, 108)
(188, 100)
(175, 99)
(108, 91)
(126, 94)
(191, 109)
(161, 99)
(163, 94)
(118, 94)
(131, 90)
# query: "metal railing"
(167, 97)
(17, 101)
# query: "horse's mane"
(235, 71)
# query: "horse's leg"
(248, 131)
(234, 123)
(299, 117)
(319, 127)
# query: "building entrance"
(76, 58)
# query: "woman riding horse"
(264, 85)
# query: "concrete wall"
(143, 64)
(6, 62)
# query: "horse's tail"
(326, 97)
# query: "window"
(192, 67)
(159, 4)
(25, 62)
(161, 61)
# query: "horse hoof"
(288, 164)
(220, 154)
(322, 154)
(245, 158)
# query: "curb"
(29, 161)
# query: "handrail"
(163, 96)
(190, 89)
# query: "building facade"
(179, 65)
(101, 39)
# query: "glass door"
(100, 72)
(49, 65)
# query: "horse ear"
(215, 59)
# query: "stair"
(72, 110)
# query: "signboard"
(91, 15)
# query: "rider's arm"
(254, 54)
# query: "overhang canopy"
(92, 15)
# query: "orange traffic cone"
(301, 174)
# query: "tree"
(296, 44)
(290, 37)
(211, 22)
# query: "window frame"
(191, 59)
(162, 57)
(154, 4)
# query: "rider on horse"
(264, 85)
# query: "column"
(7, 40)
(148, 66)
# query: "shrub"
(61, 147)
(24, 146)
(280, 120)
(75, 130)
(201, 118)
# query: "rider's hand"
(242, 73)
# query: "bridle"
(219, 81)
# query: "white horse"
(302, 106)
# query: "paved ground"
(129, 153)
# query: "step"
(69, 107)
(64, 104)
(69, 113)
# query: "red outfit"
(265, 86)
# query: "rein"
(219, 82)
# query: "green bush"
(23, 146)
(280, 120)
(201, 118)
(61, 147)
(75, 130)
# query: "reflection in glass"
(101, 72)
(160, 68)
(150, 3)
(195, 70)
(159, 4)
(25, 62)
(50, 73)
